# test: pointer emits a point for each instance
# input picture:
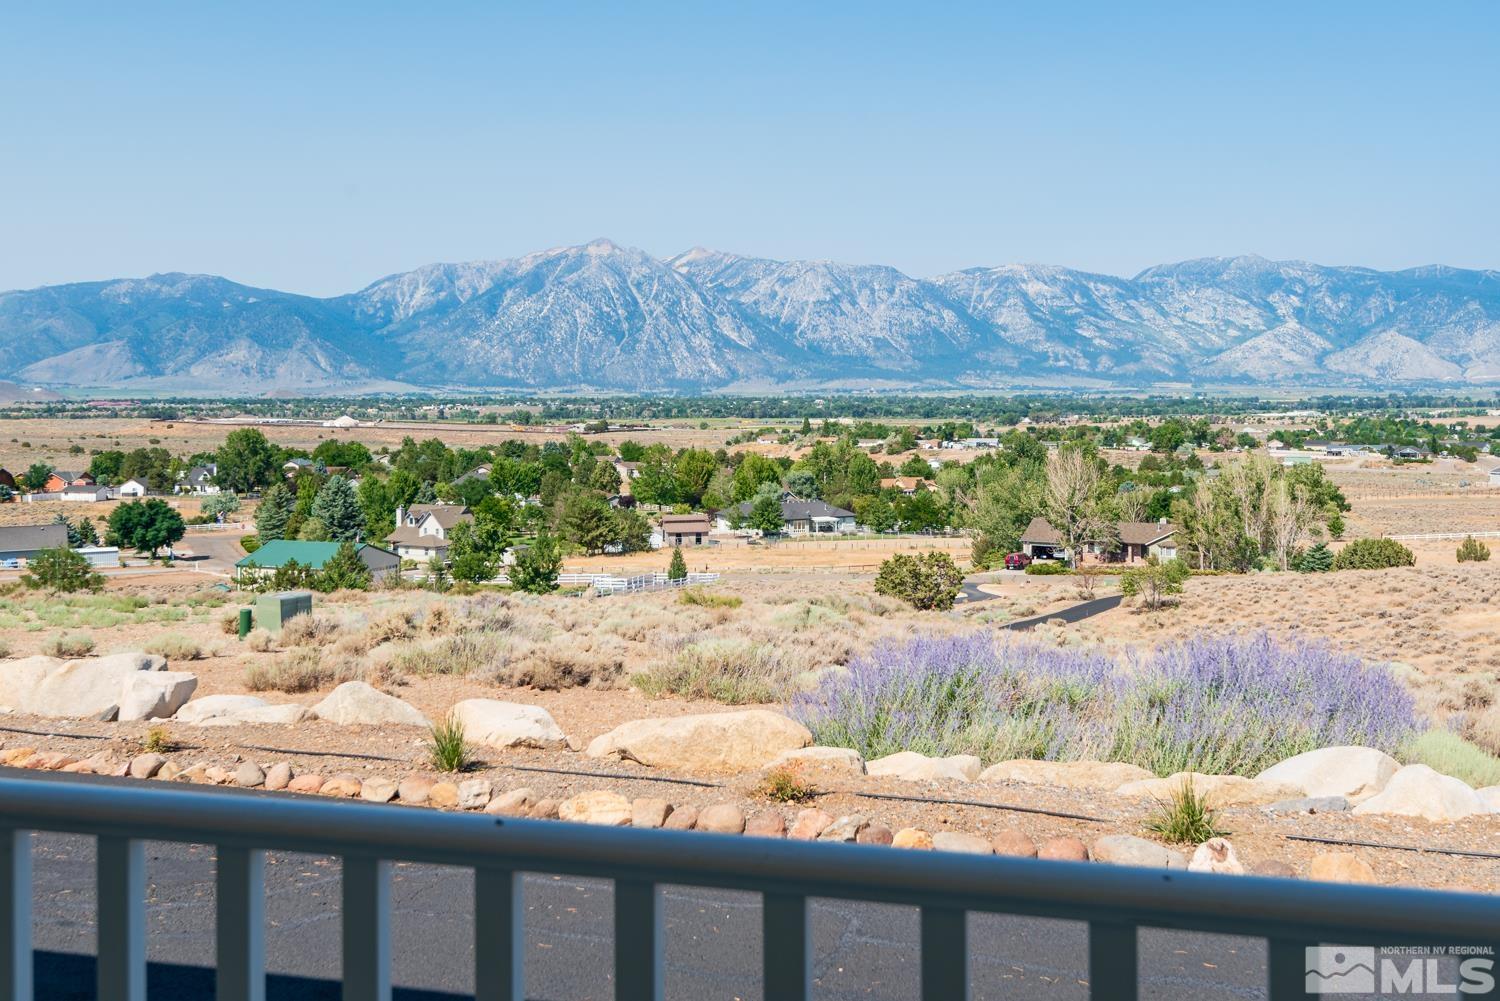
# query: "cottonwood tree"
(1289, 514)
(1077, 502)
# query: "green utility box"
(272, 610)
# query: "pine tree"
(274, 512)
(677, 570)
(345, 570)
(337, 507)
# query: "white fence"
(611, 584)
(1439, 536)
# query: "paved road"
(1073, 613)
(863, 951)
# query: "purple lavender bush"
(1227, 705)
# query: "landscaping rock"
(232, 710)
(545, 809)
(1340, 867)
(492, 723)
(154, 694)
(443, 794)
(1105, 775)
(278, 776)
(1355, 773)
(166, 773)
(722, 818)
(516, 803)
(89, 688)
(916, 767)
(767, 824)
(218, 775)
(1126, 849)
(1312, 804)
(377, 790)
(845, 829)
(954, 841)
(1491, 796)
(1217, 791)
(1418, 791)
(358, 703)
(649, 812)
(1063, 850)
(875, 834)
(838, 759)
(474, 794)
(414, 789)
(249, 775)
(1216, 855)
(712, 742)
(344, 784)
(681, 818)
(143, 766)
(16, 756)
(1013, 843)
(912, 837)
(809, 824)
(50, 761)
(1272, 867)
(608, 809)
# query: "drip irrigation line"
(612, 775)
(970, 802)
(65, 736)
(1466, 853)
(323, 754)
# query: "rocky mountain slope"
(607, 317)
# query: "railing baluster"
(1113, 967)
(1286, 974)
(638, 941)
(239, 904)
(367, 929)
(786, 947)
(945, 954)
(15, 915)
(121, 967)
(499, 935)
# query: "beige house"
(1138, 541)
(685, 529)
(422, 530)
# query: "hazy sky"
(315, 148)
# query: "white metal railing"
(615, 584)
(1115, 901)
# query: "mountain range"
(610, 318)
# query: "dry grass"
(299, 670)
(175, 648)
(69, 645)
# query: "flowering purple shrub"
(1227, 705)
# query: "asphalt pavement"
(863, 951)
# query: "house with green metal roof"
(279, 552)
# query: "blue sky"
(316, 150)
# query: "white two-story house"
(422, 530)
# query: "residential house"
(277, 553)
(1138, 540)
(1495, 477)
(802, 517)
(905, 485)
(684, 530)
(86, 493)
(628, 470)
(479, 472)
(134, 488)
(6, 479)
(422, 530)
(22, 542)
(292, 467)
(60, 481)
(200, 480)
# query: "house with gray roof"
(802, 517)
(1136, 541)
(22, 542)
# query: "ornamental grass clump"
(1223, 705)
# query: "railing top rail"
(1242, 905)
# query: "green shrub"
(928, 581)
(1154, 581)
(1373, 554)
(250, 543)
(69, 645)
(1471, 550)
(1045, 568)
(1184, 819)
(786, 785)
(157, 741)
(537, 567)
(61, 570)
(729, 671)
(446, 747)
(1314, 559)
(1446, 752)
(707, 599)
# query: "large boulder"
(1105, 775)
(234, 710)
(1418, 791)
(1215, 790)
(1355, 773)
(914, 767)
(508, 724)
(87, 688)
(355, 702)
(155, 694)
(713, 742)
